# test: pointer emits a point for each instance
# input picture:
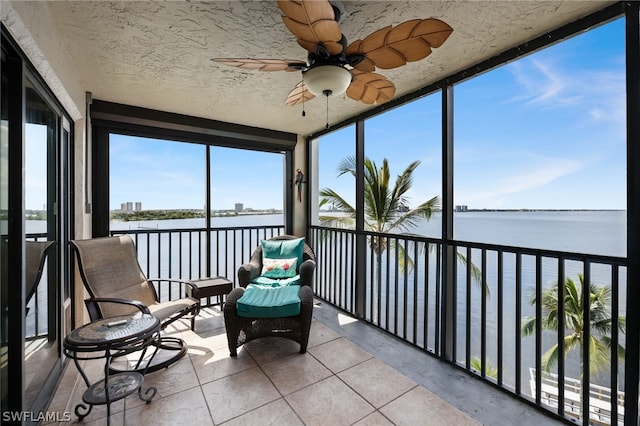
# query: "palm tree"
(600, 323)
(386, 207)
(386, 210)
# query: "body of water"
(216, 222)
(592, 232)
(602, 232)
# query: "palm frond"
(344, 222)
(410, 218)
(330, 196)
(405, 262)
(621, 350)
(550, 357)
(476, 273)
(490, 370)
(347, 165)
(599, 355)
(528, 327)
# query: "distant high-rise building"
(123, 207)
(239, 207)
(138, 206)
(129, 206)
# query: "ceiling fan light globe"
(323, 79)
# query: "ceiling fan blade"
(366, 65)
(392, 47)
(299, 94)
(312, 22)
(370, 88)
(263, 64)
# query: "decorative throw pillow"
(279, 268)
(283, 249)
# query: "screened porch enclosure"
(485, 224)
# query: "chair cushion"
(283, 249)
(279, 268)
(261, 301)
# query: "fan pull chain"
(304, 114)
(327, 125)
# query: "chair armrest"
(94, 308)
(229, 307)
(306, 296)
(306, 272)
(247, 272)
(233, 297)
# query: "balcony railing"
(197, 252)
(463, 302)
(474, 314)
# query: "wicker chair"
(241, 330)
(117, 286)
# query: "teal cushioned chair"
(261, 319)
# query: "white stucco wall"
(31, 25)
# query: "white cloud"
(494, 191)
(549, 84)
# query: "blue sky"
(544, 131)
(169, 175)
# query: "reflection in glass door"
(41, 290)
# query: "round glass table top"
(109, 331)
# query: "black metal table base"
(119, 386)
(163, 343)
(108, 339)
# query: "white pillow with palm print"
(279, 268)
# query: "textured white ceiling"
(157, 54)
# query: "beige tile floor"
(335, 383)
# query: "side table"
(209, 287)
(107, 338)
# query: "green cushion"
(259, 301)
(283, 249)
(272, 282)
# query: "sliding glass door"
(34, 231)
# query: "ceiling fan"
(333, 66)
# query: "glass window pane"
(156, 183)
(543, 138)
(410, 139)
(246, 187)
(540, 161)
(330, 151)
